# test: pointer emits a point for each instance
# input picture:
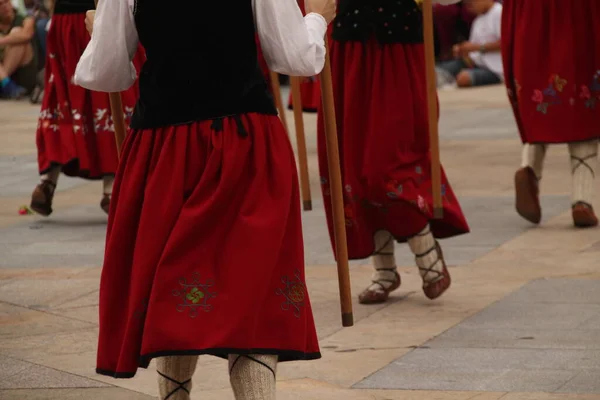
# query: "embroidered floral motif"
(294, 293)
(591, 94)
(549, 96)
(194, 295)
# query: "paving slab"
(528, 341)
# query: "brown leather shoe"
(369, 296)
(527, 195)
(436, 287)
(105, 203)
(42, 196)
(583, 215)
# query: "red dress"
(551, 54)
(381, 111)
(204, 251)
(75, 129)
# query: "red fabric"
(75, 127)
(310, 91)
(193, 200)
(552, 68)
(381, 110)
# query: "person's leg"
(476, 77)
(453, 67)
(385, 278)
(42, 34)
(175, 376)
(430, 260)
(253, 377)
(107, 185)
(43, 194)
(584, 164)
(14, 58)
(527, 182)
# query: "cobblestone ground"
(521, 322)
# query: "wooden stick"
(301, 143)
(118, 117)
(337, 202)
(432, 107)
(278, 102)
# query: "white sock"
(424, 247)
(385, 262)
(107, 184)
(52, 175)
(175, 376)
(252, 377)
(533, 156)
(584, 163)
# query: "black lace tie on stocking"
(582, 162)
(252, 359)
(180, 385)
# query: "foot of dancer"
(175, 376)
(43, 194)
(527, 182)
(584, 162)
(430, 260)
(253, 377)
(107, 183)
(385, 278)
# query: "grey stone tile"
(585, 382)
(516, 338)
(10, 367)
(36, 376)
(507, 315)
(563, 291)
(112, 393)
(542, 338)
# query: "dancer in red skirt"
(204, 250)
(75, 133)
(379, 86)
(552, 69)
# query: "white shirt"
(486, 28)
(292, 44)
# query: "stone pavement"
(521, 322)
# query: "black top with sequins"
(390, 21)
(73, 6)
(197, 71)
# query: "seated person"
(478, 61)
(18, 56)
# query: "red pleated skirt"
(551, 54)
(310, 91)
(204, 251)
(381, 110)
(75, 129)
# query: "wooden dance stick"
(301, 143)
(278, 102)
(118, 117)
(335, 184)
(432, 107)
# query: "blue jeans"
(41, 34)
(479, 76)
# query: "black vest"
(73, 6)
(390, 21)
(201, 62)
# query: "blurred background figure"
(476, 61)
